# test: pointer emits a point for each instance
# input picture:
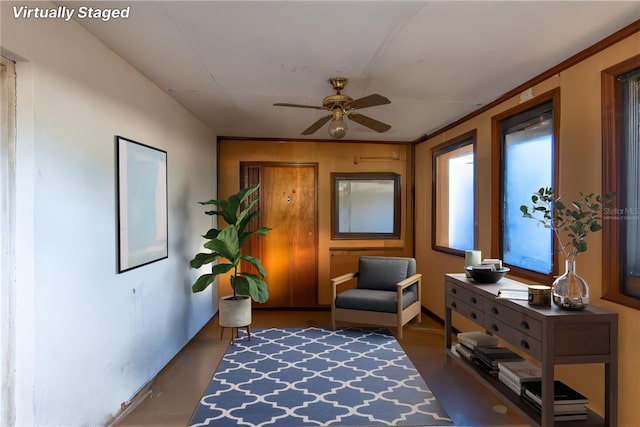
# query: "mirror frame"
(336, 178)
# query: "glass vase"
(570, 291)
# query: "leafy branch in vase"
(571, 223)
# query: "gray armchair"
(387, 293)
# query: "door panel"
(289, 252)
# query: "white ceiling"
(229, 61)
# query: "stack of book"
(515, 374)
(488, 358)
(468, 341)
(475, 339)
(568, 404)
(463, 351)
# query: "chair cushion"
(375, 300)
(382, 273)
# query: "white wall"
(85, 340)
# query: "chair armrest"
(337, 281)
(400, 286)
(409, 281)
(344, 278)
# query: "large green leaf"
(242, 195)
(203, 282)
(262, 231)
(236, 200)
(245, 221)
(228, 209)
(210, 202)
(202, 258)
(257, 288)
(256, 263)
(221, 268)
(245, 235)
(217, 247)
(249, 284)
(240, 285)
(230, 238)
(246, 212)
(211, 234)
(226, 243)
(225, 209)
(252, 285)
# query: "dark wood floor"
(175, 393)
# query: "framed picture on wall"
(141, 187)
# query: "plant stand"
(234, 314)
(235, 332)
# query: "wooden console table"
(549, 334)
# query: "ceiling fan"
(340, 106)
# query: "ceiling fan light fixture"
(339, 105)
(338, 126)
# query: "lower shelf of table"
(514, 401)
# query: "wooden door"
(288, 205)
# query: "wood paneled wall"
(331, 157)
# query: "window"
(621, 173)
(527, 149)
(365, 206)
(454, 199)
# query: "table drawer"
(465, 295)
(508, 333)
(517, 320)
(468, 311)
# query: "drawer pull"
(495, 310)
(524, 325)
(454, 291)
(454, 305)
(524, 344)
(474, 300)
(494, 328)
(473, 315)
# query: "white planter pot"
(235, 313)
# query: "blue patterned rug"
(317, 377)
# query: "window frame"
(365, 176)
(468, 138)
(498, 184)
(612, 167)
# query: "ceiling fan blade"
(369, 122)
(317, 125)
(284, 104)
(367, 101)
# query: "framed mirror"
(365, 205)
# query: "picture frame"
(141, 198)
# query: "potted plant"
(225, 247)
(571, 224)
